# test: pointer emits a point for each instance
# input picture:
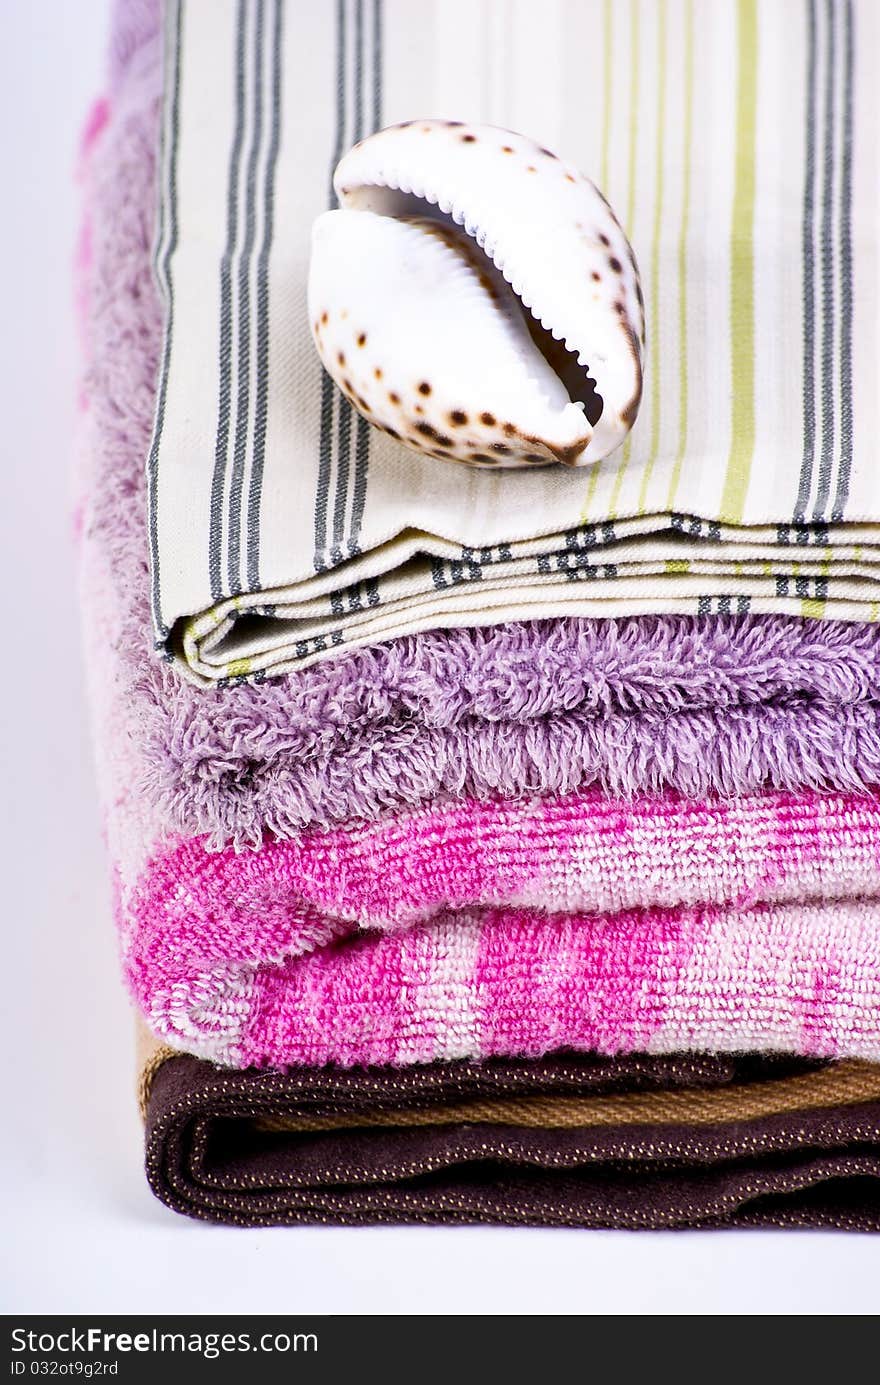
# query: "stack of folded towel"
(566, 920)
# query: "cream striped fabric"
(736, 140)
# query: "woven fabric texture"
(285, 528)
(793, 1160)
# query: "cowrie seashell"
(476, 298)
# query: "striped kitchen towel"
(736, 142)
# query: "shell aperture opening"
(472, 311)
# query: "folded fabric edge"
(207, 1158)
(822, 1085)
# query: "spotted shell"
(475, 297)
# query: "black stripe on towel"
(364, 432)
(243, 399)
(221, 448)
(846, 269)
(166, 244)
(346, 414)
(809, 304)
(329, 394)
(827, 271)
(261, 405)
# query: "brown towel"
(571, 1140)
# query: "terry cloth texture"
(475, 930)
(691, 1140)
(735, 141)
(692, 702)
(702, 704)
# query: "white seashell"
(476, 298)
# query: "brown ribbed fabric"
(688, 1140)
(841, 1085)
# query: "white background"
(82, 1232)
